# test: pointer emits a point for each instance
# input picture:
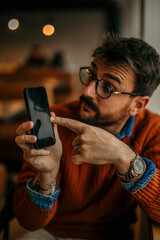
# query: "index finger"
(74, 125)
(24, 127)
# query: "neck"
(116, 127)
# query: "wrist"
(123, 163)
(45, 183)
(136, 171)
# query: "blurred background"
(73, 29)
(45, 43)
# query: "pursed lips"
(87, 107)
(88, 104)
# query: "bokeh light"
(48, 30)
(13, 24)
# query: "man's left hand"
(97, 146)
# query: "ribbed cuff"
(149, 193)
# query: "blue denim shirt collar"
(127, 129)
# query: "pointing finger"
(52, 118)
(74, 125)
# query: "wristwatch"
(137, 168)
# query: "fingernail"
(32, 138)
(47, 152)
(52, 119)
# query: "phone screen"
(38, 111)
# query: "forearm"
(45, 183)
(43, 190)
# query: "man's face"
(111, 111)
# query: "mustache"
(89, 101)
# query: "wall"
(152, 36)
(77, 32)
(131, 28)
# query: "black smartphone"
(38, 111)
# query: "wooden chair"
(12, 84)
(154, 229)
(145, 228)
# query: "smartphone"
(38, 111)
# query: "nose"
(90, 90)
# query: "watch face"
(139, 165)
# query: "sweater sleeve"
(148, 197)
(28, 214)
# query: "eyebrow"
(94, 65)
(106, 74)
(111, 77)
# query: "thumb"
(55, 131)
(52, 119)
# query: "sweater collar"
(127, 129)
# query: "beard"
(100, 120)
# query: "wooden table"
(12, 113)
(12, 84)
(11, 109)
(14, 89)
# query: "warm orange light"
(13, 24)
(48, 30)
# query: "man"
(107, 153)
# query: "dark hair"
(136, 54)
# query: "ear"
(138, 105)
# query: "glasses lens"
(84, 73)
(103, 89)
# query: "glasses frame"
(111, 90)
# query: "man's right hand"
(45, 161)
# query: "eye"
(106, 86)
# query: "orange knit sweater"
(92, 204)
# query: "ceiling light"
(13, 24)
(48, 30)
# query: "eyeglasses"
(103, 88)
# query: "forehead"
(121, 72)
